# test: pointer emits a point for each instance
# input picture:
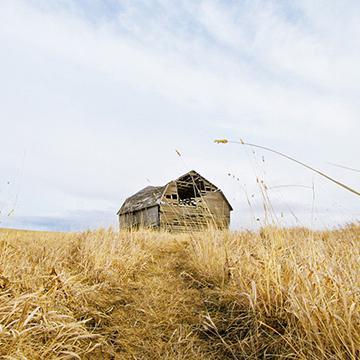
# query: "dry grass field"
(277, 293)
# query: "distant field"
(215, 295)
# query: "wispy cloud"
(100, 93)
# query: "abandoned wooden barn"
(188, 203)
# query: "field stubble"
(287, 293)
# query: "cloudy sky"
(96, 95)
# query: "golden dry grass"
(213, 295)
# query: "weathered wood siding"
(142, 218)
(211, 210)
(219, 208)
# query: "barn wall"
(142, 218)
(219, 208)
(211, 210)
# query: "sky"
(97, 96)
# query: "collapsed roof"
(151, 195)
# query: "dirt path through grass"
(162, 312)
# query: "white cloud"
(99, 94)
